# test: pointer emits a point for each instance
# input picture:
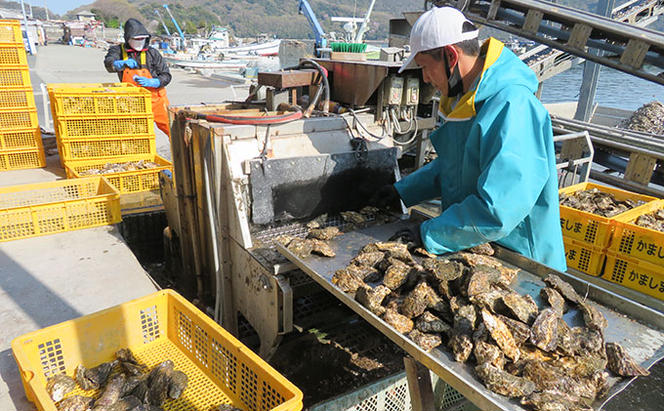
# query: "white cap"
(438, 27)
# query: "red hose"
(252, 120)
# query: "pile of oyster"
(465, 301)
(109, 168)
(597, 202)
(653, 221)
(125, 384)
(649, 118)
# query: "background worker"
(137, 63)
(495, 171)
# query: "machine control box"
(394, 91)
(411, 92)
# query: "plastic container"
(30, 210)
(103, 126)
(10, 32)
(158, 327)
(107, 148)
(636, 274)
(14, 76)
(20, 139)
(12, 119)
(17, 98)
(13, 55)
(591, 228)
(639, 242)
(127, 181)
(584, 257)
(104, 100)
(22, 159)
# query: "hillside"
(249, 17)
(37, 11)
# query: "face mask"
(136, 44)
(454, 81)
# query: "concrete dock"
(50, 279)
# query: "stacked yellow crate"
(20, 139)
(100, 124)
(587, 236)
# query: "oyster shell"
(347, 281)
(519, 330)
(621, 363)
(76, 403)
(177, 385)
(563, 288)
(131, 383)
(327, 233)
(353, 217)
(322, 248)
(583, 365)
(544, 332)
(653, 221)
(426, 341)
(501, 334)
(502, 382)
(554, 299)
(158, 383)
(364, 272)
(59, 385)
(400, 322)
(490, 299)
(317, 222)
(129, 403)
(396, 275)
(647, 118)
(480, 280)
(111, 393)
(443, 270)
(429, 323)
(372, 298)
(284, 239)
(461, 342)
(553, 400)
(597, 202)
(96, 377)
(417, 301)
(523, 308)
(488, 353)
(593, 318)
(300, 247)
(484, 249)
(368, 259)
(395, 250)
(549, 377)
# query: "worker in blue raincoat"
(495, 171)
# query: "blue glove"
(120, 64)
(147, 82)
(131, 63)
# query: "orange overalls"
(159, 99)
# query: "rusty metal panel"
(288, 79)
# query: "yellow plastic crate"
(13, 55)
(125, 182)
(10, 32)
(30, 210)
(103, 126)
(158, 327)
(636, 274)
(639, 242)
(587, 227)
(14, 76)
(20, 139)
(11, 119)
(95, 101)
(17, 98)
(106, 148)
(22, 159)
(584, 257)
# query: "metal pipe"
(626, 184)
(212, 225)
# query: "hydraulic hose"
(245, 120)
(326, 85)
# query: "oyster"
(553, 400)
(621, 363)
(401, 323)
(523, 308)
(426, 341)
(368, 259)
(111, 393)
(129, 403)
(327, 233)
(484, 249)
(347, 281)
(300, 247)
(395, 250)
(554, 299)
(593, 318)
(480, 333)
(226, 407)
(317, 222)
(653, 221)
(131, 369)
(417, 300)
(76, 403)
(353, 217)
(481, 279)
(501, 334)
(544, 333)
(396, 275)
(597, 202)
(125, 354)
(364, 272)
(423, 252)
(647, 118)
(177, 384)
(130, 384)
(284, 239)
(489, 353)
(502, 382)
(96, 377)
(59, 385)
(372, 298)
(443, 270)
(563, 288)
(528, 353)
(320, 247)
(519, 330)
(158, 383)
(429, 323)
(461, 342)
(490, 299)
(583, 365)
(141, 391)
(549, 377)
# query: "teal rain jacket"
(495, 171)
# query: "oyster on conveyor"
(426, 341)
(372, 298)
(621, 363)
(502, 382)
(544, 332)
(501, 334)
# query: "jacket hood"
(502, 68)
(133, 28)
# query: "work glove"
(410, 236)
(385, 197)
(120, 64)
(147, 82)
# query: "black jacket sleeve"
(158, 67)
(114, 53)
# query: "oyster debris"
(502, 382)
(327, 233)
(501, 334)
(372, 298)
(177, 384)
(59, 385)
(400, 322)
(621, 363)
(426, 341)
(544, 333)
(76, 403)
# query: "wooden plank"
(419, 385)
(640, 168)
(287, 79)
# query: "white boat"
(192, 63)
(268, 48)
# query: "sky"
(59, 6)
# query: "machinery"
(163, 24)
(175, 23)
(319, 34)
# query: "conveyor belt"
(644, 340)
